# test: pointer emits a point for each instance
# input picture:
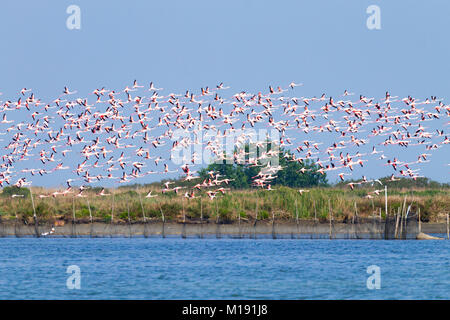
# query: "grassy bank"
(283, 204)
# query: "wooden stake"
(129, 220)
(16, 222)
(396, 223)
(353, 232)
(89, 208)
(112, 208)
(3, 228)
(112, 215)
(296, 218)
(315, 211)
(405, 221)
(330, 218)
(256, 212)
(183, 232)
(73, 209)
(273, 226)
(90, 216)
(201, 218)
(143, 215)
(36, 223)
(256, 219)
(239, 221)
(400, 233)
(184, 213)
(386, 200)
(448, 230)
(163, 221)
(404, 206)
(402, 215)
(386, 224)
(420, 223)
(218, 236)
(142, 207)
(73, 219)
(315, 220)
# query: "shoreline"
(304, 229)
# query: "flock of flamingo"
(122, 136)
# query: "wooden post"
(354, 233)
(315, 211)
(2, 233)
(90, 212)
(273, 226)
(448, 230)
(405, 222)
(386, 200)
(404, 206)
(112, 208)
(183, 231)
(420, 223)
(36, 222)
(143, 215)
(90, 217)
(296, 218)
(142, 208)
(400, 233)
(239, 221)
(112, 213)
(315, 220)
(256, 219)
(16, 222)
(397, 216)
(201, 218)
(73, 218)
(402, 215)
(218, 236)
(184, 213)
(386, 224)
(256, 212)
(163, 221)
(355, 219)
(330, 217)
(129, 220)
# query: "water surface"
(174, 268)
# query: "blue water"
(138, 268)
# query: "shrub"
(263, 214)
(11, 190)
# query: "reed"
(258, 205)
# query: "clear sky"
(248, 45)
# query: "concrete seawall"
(262, 229)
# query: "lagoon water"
(174, 268)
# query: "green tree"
(243, 174)
(291, 176)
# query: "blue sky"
(248, 45)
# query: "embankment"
(262, 229)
